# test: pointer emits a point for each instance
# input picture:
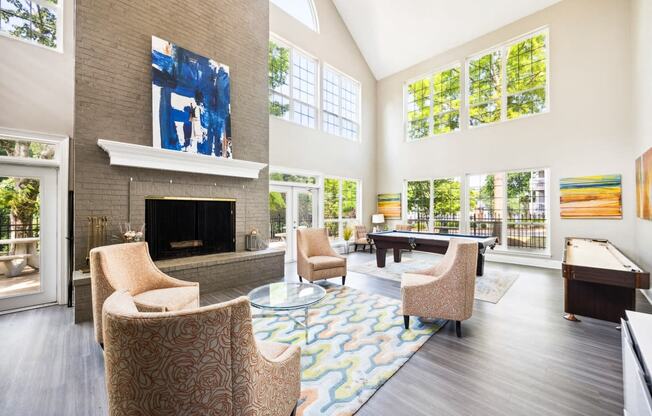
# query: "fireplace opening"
(187, 227)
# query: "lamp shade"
(377, 218)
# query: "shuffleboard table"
(430, 242)
(599, 280)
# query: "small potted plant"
(347, 233)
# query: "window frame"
(503, 48)
(340, 220)
(291, 100)
(322, 110)
(430, 76)
(58, 10)
(503, 246)
(431, 206)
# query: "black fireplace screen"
(181, 228)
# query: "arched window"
(302, 10)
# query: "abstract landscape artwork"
(191, 102)
(644, 185)
(598, 196)
(390, 206)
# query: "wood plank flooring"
(517, 357)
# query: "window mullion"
(431, 209)
(431, 123)
(503, 83)
(340, 225)
(291, 84)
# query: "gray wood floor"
(517, 357)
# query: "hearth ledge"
(193, 262)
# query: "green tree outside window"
(30, 20)
(279, 70)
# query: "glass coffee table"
(283, 297)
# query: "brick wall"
(113, 101)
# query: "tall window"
(446, 205)
(511, 206)
(418, 205)
(341, 204)
(526, 76)
(292, 84)
(37, 21)
(341, 96)
(434, 205)
(433, 104)
(484, 88)
(508, 82)
(485, 196)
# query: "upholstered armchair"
(403, 227)
(446, 290)
(361, 239)
(129, 267)
(316, 259)
(203, 361)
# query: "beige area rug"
(488, 288)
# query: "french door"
(28, 236)
(291, 208)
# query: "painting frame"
(389, 204)
(591, 197)
(191, 101)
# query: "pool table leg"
(480, 267)
(397, 255)
(380, 256)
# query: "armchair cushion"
(168, 299)
(326, 262)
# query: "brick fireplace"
(113, 101)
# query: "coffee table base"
(270, 313)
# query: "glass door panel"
(290, 208)
(27, 236)
(278, 219)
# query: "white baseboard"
(543, 262)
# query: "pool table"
(430, 242)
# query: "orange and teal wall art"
(644, 185)
(390, 206)
(598, 196)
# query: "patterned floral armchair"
(446, 290)
(204, 361)
(129, 267)
(316, 258)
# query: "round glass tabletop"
(286, 296)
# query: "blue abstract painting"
(191, 102)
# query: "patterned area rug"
(357, 342)
(488, 288)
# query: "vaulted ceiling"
(396, 34)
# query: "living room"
(321, 207)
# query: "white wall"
(299, 147)
(37, 84)
(586, 132)
(642, 109)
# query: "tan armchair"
(403, 227)
(316, 258)
(446, 290)
(361, 239)
(129, 267)
(203, 361)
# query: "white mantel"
(146, 157)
